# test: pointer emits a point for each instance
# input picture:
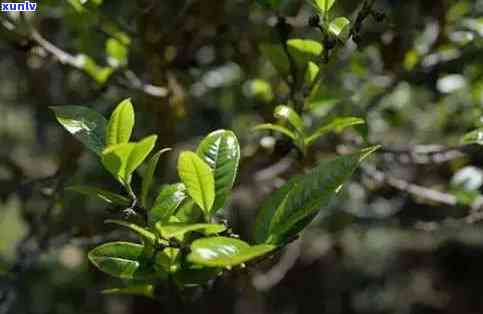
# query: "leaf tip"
(366, 152)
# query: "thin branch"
(365, 11)
(127, 79)
(275, 170)
(132, 81)
(422, 154)
(413, 189)
(61, 55)
(268, 280)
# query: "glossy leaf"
(221, 151)
(117, 52)
(311, 73)
(189, 212)
(123, 159)
(149, 174)
(120, 124)
(140, 231)
(87, 125)
(276, 128)
(115, 159)
(198, 178)
(474, 137)
(337, 125)
(179, 230)
(288, 114)
(299, 200)
(168, 260)
(323, 5)
(166, 203)
(304, 51)
(123, 260)
(142, 149)
(107, 196)
(78, 5)
(225, 252)
(338, 27)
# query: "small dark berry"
(283, 27)
(357, 39)
(378, 16)
(314, 21)
(329, 43)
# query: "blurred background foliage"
(404, 236)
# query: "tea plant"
(300, 62)
(291, 125)
(181, 238)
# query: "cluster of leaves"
(300, 60)
(83, 15)
(181, 239)
(297, 131)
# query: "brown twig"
(413, 189)
(422, 154)
(123, 78)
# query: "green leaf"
(168, 260)
(149, 174)
(110, 197)
(123, 159)
(198, 178)
(117, 52)
(78, 5)
(301, 50)
(337, 125)
(261, 90)
(123, 260)
(288, 114)
(338, 27)
(168, 200)
(142, 149)
(99, 73)
(291, 208)
(188, 212)
(276, 128)
(225, 252)
(87, 125)
(323, 6)
(143, 290)
(474, 137)
(179, 230)
(115, 159)
(311, 73)
(140, 231)
(120, 124)
(221, 151)
(304, 51)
